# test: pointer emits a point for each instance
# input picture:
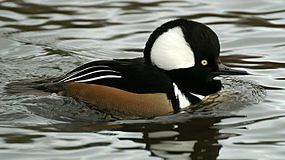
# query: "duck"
(178, 69)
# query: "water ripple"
(50, 37)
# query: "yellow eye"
(204, 62)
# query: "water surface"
(51, 37)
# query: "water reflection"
(197, 139)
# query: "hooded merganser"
(181, 58)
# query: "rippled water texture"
(50, 37)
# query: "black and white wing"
(92, 72)
(127, 74)
(131, 75)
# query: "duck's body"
(180, 56)
(124, 88)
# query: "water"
(50, 37)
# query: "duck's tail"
(40, 86)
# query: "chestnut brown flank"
(118, 102)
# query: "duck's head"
(188, 52)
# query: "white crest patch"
(171, 51)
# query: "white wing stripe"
(100, 77)
(76, 72)
(74, 78)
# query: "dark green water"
(50, 37)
